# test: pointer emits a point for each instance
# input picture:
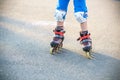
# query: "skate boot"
(86, 43)
(57, 42)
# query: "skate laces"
(61, 33)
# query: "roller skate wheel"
(60, 48)
(51, 51)
(88, 55)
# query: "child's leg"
(84, 26)
(81, 17)
(60, 14)
(62, 5)
(80, 9)
(61, 11)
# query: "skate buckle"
(59, 33)
(84, 37)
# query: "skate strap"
(84, 37)
(59, 33)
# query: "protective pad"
(81, 16)
(60, 15)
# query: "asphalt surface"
(25, 44)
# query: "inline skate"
(86, 43)
(57, 42)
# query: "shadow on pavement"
(116, 0)
(101, 65)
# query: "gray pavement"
(26, 57)
(25, 43)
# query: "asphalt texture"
(25, 55)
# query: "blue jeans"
(79, 5)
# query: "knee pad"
(81, 16)
(60, 15)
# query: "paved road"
(25, 37)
